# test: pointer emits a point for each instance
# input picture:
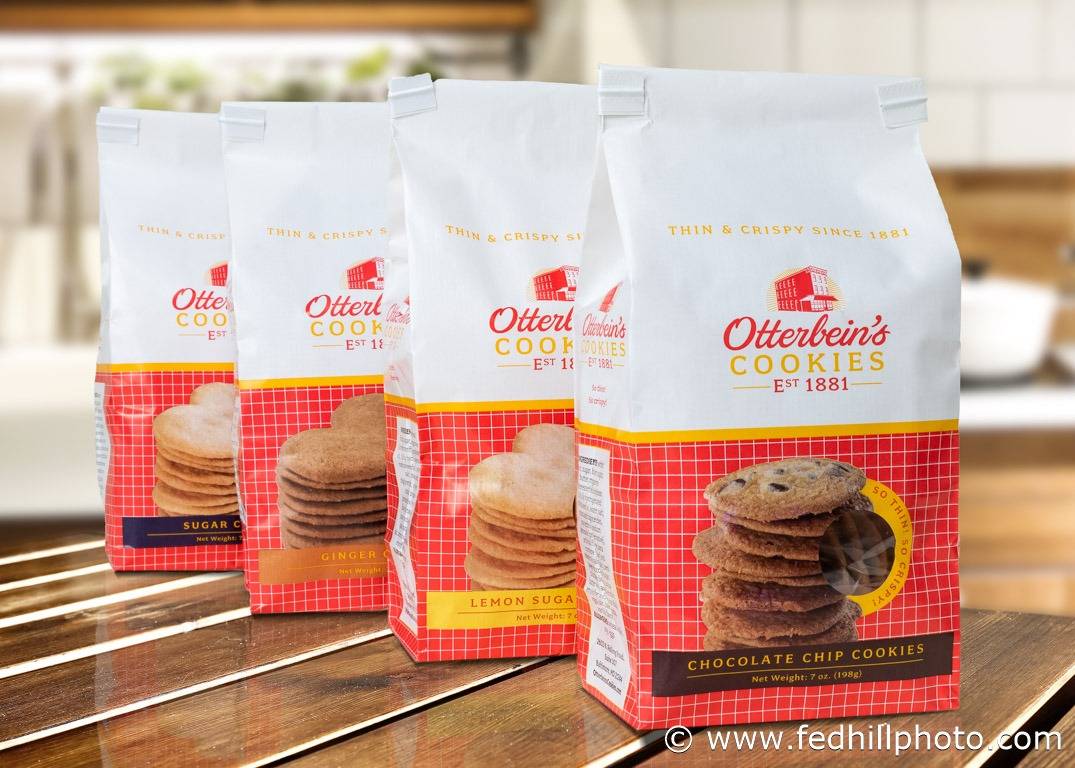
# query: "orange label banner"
(293, 566)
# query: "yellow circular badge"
(890, 508)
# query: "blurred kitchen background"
(1001, 140)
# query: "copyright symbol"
(678, 739)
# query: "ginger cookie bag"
(489, 199)
(164, 391)
(767, 398)
(306, 190)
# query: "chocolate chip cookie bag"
(163, 392)
(306, 192)
(488, 202)
(767, 399)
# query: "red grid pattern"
(131, 402)
(268, 417)
(658, 508)
(449, 445)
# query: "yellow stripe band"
(310, 381)
(482, 406)
(163, 367)
(766, 433)
(403, 402)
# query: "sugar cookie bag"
(306, 190)
(164, 392)
(487, 220)
(767, 396)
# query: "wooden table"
(171, 669)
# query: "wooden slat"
(265, 717)
(1054, 758)
(541, 718)
(25, 534)
(79, 588)
(89, 689)
(117, 621)
(544, 717)
(1013, 665)
(57, 564)
(288, 17)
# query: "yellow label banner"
(500, 608)
(294, 566)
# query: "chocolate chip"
(737, 482)
(778, 487)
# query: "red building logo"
(805, 290)
(557, 284)
(366, 275)
(218, 275)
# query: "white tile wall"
(1001, 73)
(984, 41)
(652, 24)
(954, 133)
(1009, 67)
(730, 34)
(621, 32)
(1060, 40)
(1030, 127)
(863, 37)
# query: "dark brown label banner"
(681, 673)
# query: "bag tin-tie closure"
(242, 123)
(621, 92)
(411, 95)
(903, 103)
(114, 127)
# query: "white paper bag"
(767, 393)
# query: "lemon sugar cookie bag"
(488, 208)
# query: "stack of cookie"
(768, 588)
(331, 482)
(522, 520)
(194, 469)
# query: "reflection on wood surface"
(164, 671)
